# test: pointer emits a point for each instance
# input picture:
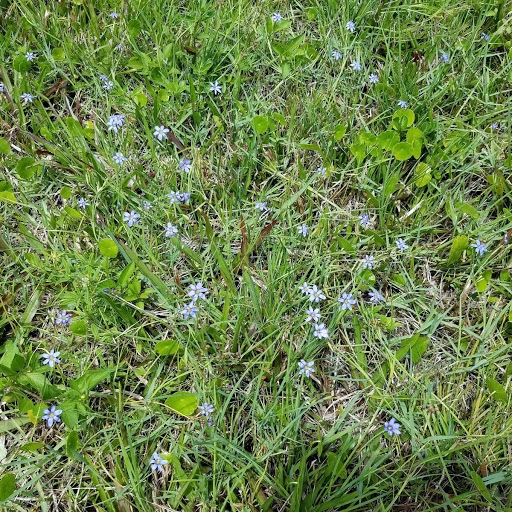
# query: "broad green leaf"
(7, 196)
(58, 54)
(340, 131)
(467, 209)
(481, 487)
(497, 390)
(34, 446)
(21, 64)
(90, 379)
(335, 466)
(416, 149)
(13, 424)
(183, 403)
(5, 148)
(7, 486)
(70, 417)
(167, 347)
(40, 383)
(422, 175)
(134, 28)
(288, 48)
(78, 327)
(459, 245)
(26, 168)
(414, 134)
(386, 140)
(72, 212)
(11, 359)
(415, 345)
(72, 443)
(402, 151)
(359, 151)
(403, 118)
(260, 124)
(344, 244)
(140, 99)
(309, 147)
(66, 193)
(125, 275)
(108, 248)
(367, 138)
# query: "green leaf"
(403, 118)
(26, 168)
(13, 424)
(108, 248)
(70, 418)
(386, 140)
(497, 390)
(125, 275)
(7, 486)
(72, 443)
(359, 151)
(72, 212)
(260, 124)
(66, 193)
(183, 403)
(7, 196)
(335, 466)
(402, 151)
(134, 28)
(167, 347)
(340, 131)
(12, 360)
(90, 379)
(467, 209)
(288, 48)
(422, 175)
(5, 148)
(58, 54)
(415, 345)
(40, 383)
(481, 487)
(367, 138)
(21, 64)
(459, 245)
(344, 244)
(33, 446)
(140, 99)
(414, 134)
(78, 327)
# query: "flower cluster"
(178, 197)
(115, 122)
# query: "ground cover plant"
(255, 255)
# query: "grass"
(435, 355)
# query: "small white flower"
(147, 205)
(313, 315)
(315, 294)
(206, 409)
(276, 17)
(27, 98)
(373, 78)
(336, 55)
(51, 358)
(350, 26)
(262, 206)
(356, 66)
(305, 288)
(108, 85)
(157, 462)
(402, 104)
(2, 87)
(480, 247)
(119, 158)
(189, 310)
(376, 297)
(401, 245)
(347, 301)
(114, 15)
(170, 230)
(320, 331)
(82, 203)
(216, 88)
(30, 56)
(368, 261)
(306, 368)
(303, 229)
(197, 291)
(321, 171)
(131, 218)
(161, 132)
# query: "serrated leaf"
(5, 148)
(78, 327)
(497, 390)
(167, 347)
(459, 245)
(7, 486)
(183, 403)
(108, 248)
(260, 124)
(402, 151)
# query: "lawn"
(255, 255)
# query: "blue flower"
(495, 126)
(392, 427)
(216, 88)
(320, 331)
(305, 288)
(197, 291)
(306, 368)
(51, 358)
(30, 56)
(303, 229)
(63, 318)
(368, 261)
(161, 132)
(189, 310)
(485, 36)
(356, 66)
(373, 78)
(445, 57)
(480, 247)
(113, 15)
(276, 17)
(131, 218)
(115, 121)
(184, 197)
(206, 409)
(402, 104)
(315, 294)
(321, 171)
(185, 164)
(2, 87)
(365, 221)
(52, 415)
(170, 230)
(313, 315)
(119, 47)
(82, 203)
(119, 158)
(347, 301)
(157, 462)
(174, 197)
(375, 297)
(350, 26)
(401, 245)
(262, 206)
(336, 55)
(147, 205)
(27, 98)
(108, 85)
